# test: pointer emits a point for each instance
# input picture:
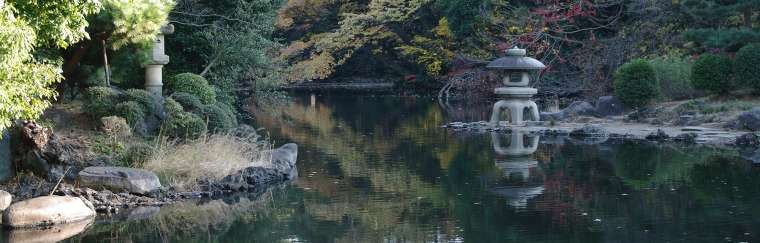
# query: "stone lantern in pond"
(515, 95)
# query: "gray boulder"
(575, 109)
(153, 121)
(283, 158)
(610, 106)
(135, 181)
(6, 173)
(47, 210)
(750, 119)
(5, 200)
(589, 131)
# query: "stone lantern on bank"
(515, 95)
(153, 74)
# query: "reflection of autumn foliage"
(569, 193)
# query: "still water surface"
(376, 168)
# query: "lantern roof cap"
(516, 60)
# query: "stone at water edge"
(283, 158)
(610, 106)
(135, 181)
(47, 210)
(589, 131)
(750, 119)
(5, 200)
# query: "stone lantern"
(516, 94)
(153, 76)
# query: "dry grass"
(215, 156)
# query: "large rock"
(283, 158)
(589, 131)
(5, 200)
(750, 119)
(575, 109)
(47, 210)
(610, 106)
(153, 121)
(6, 173)
(136, 181)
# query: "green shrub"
(137, 154)
(747, 66)
(130, 111)
(219, 117)
(184, 125)
(193, 84)
(187, 101)
(172, 106)
(146, 100)
(99, 101)
(635, 83)
(711, 72)
(673, 72)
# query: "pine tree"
(725, 32)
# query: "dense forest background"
(263, 45)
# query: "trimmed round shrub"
(137, 154)
(184, 125)
(711, 72)
(172, 106)
(99, 101)
(193, 84)
(635, 83)
(130, 111)
(146, 100)
(219, 117)
(187, 101)
(747, 66)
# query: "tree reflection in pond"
(380, 169)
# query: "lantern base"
(515, 107)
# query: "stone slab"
(135, 181)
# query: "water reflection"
(53, 233)
(380, 169)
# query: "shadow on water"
(381, 169)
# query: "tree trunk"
(105, 64)
(400, 32)
(210, 64)
(73, 63)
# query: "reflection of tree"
(360, 165)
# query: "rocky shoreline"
(123, 188)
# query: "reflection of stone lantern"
(518, 144)
(516, 93)
(153, 77)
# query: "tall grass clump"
(747, 66)
(673, 72)
(711, 72)
(635, 83)
(213, 156)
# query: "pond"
(379, 168)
